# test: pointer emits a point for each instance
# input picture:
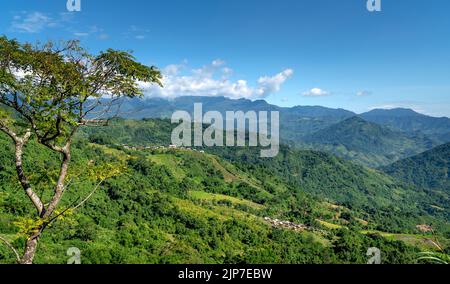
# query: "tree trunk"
(23, 178)
(59, 188)
(30, 251)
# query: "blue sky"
(289, 52)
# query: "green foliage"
(367, 143)
(429, 170)
(27, 226)
(183, 206)
(371, 194)
(47, 92)
(54, 87)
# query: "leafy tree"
(47, 92)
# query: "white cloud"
(213, 80)
(386, 106)
(273, 84)
(363, 93)
(227, 71)
(103, 36)
(92, 31)
(36, 22)
(172, 69)
(33, 22)
(80, 34)
(20, 74)
(316, 92)
(218, 63)
(136, 32)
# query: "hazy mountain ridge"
(368, 143)
(407, 120)
(391, 134)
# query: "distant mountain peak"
(355, 122)
(410, 121)
(355, 118)
(394, 112)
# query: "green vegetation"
(428, 170)
(374, 197)
(121, 195)
(371, 195)
(404, 132)
(155, 213)
(47, 93)
(367, 143)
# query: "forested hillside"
(429, 170)
(185, 206)
(374, 194)
(368, 143)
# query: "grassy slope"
(99, 237)
(326, 177)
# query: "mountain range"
(368, 143)
(227, 204)
(409, 121)
(376, 138)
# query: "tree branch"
(8, 131)
(89, 195)
(73, 207)
(10, 246)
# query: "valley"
(171, 206)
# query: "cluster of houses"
(425, 228)
(141, 148)
(286, 224)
